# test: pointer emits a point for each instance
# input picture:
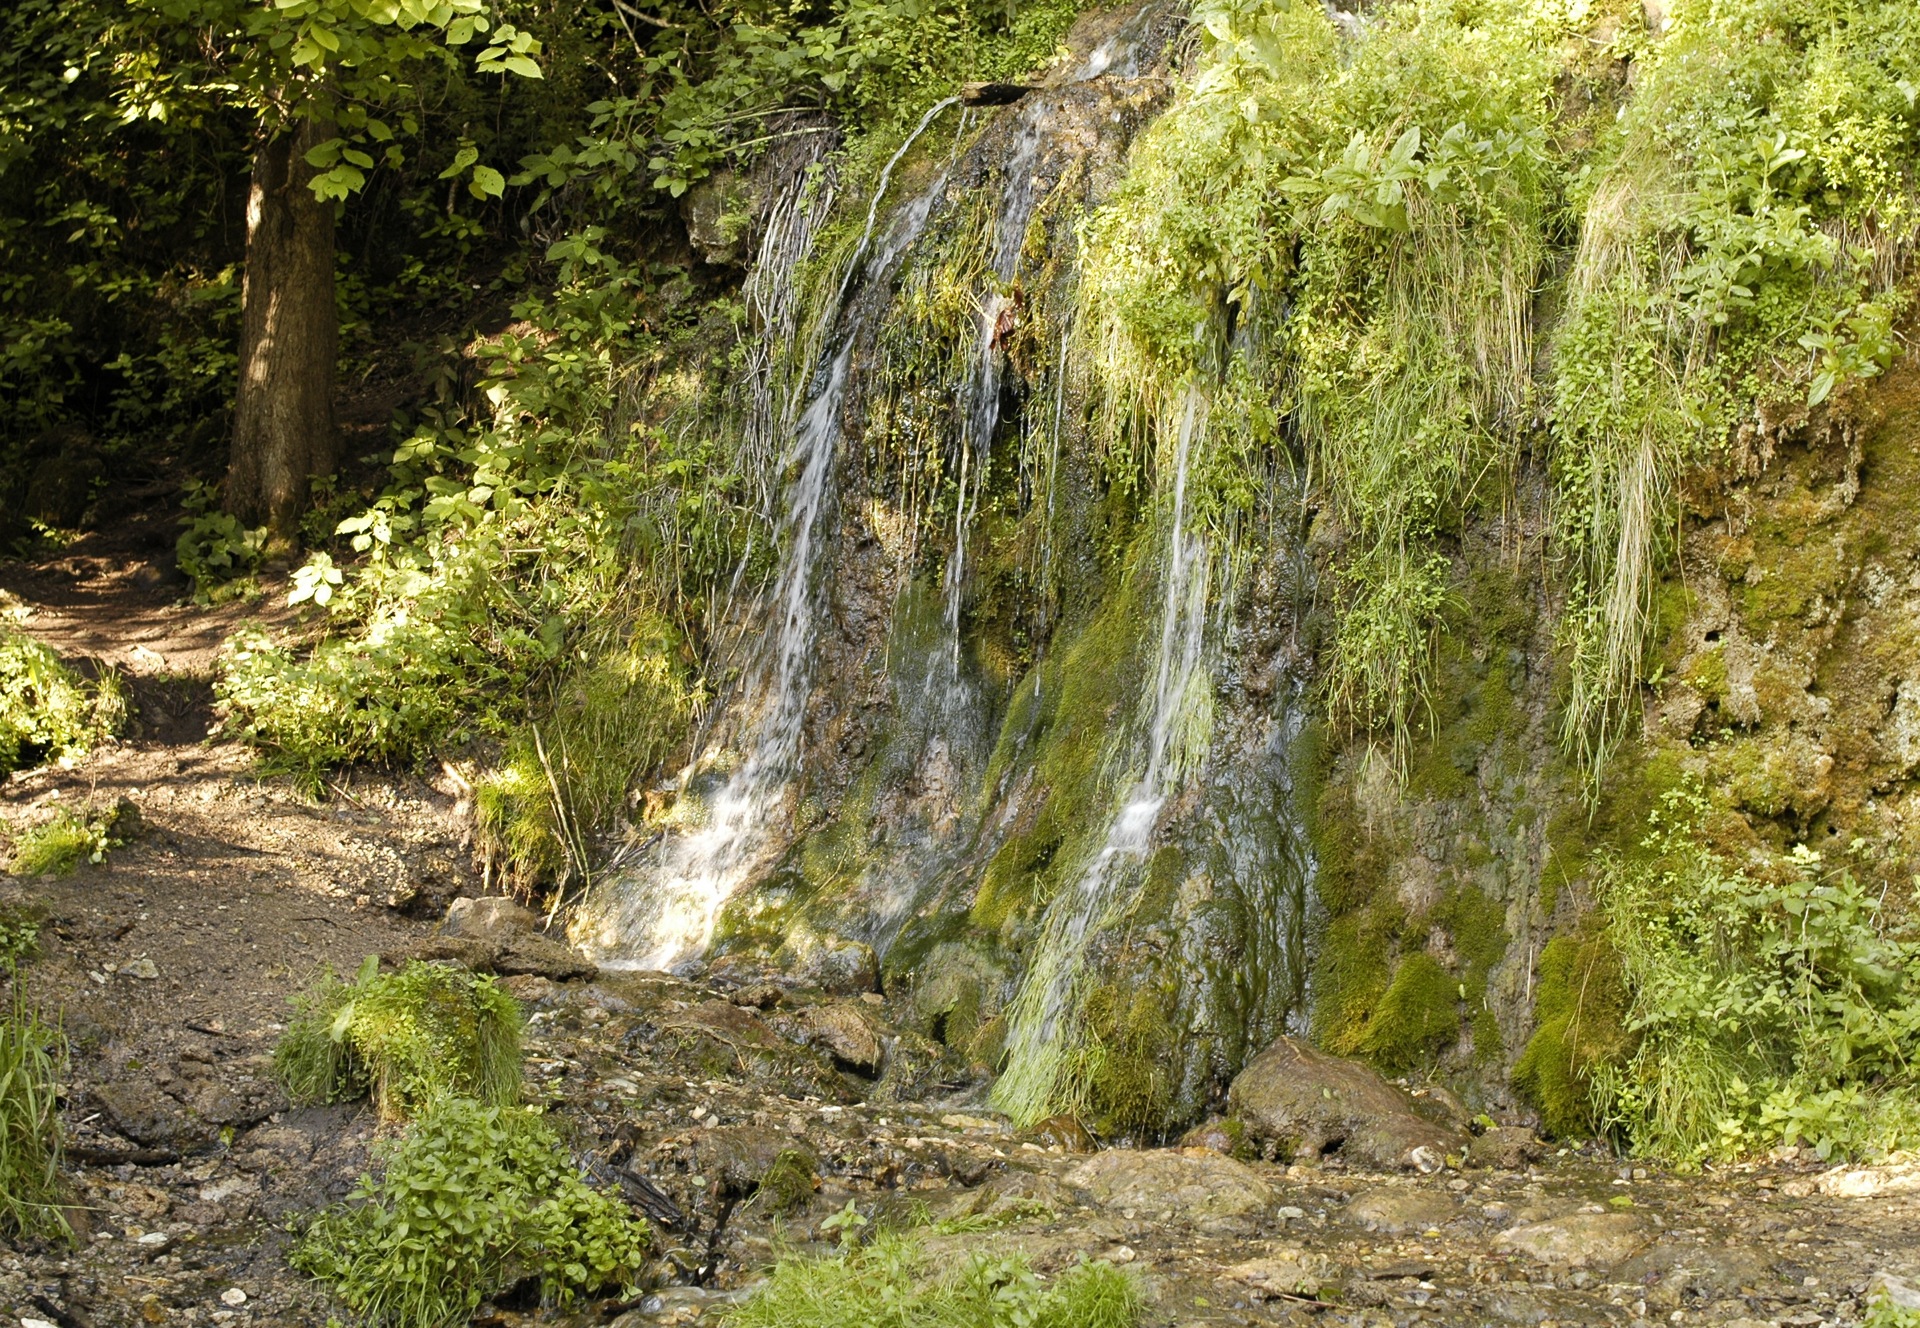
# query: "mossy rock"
(1417, 1017)
(1581, 1009)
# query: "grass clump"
(564, 780)
(32, 1060)
(58, 846)
(47, 711)
(470, 1201)
(893, 1282)
(407, 1038)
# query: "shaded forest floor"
(171, 964)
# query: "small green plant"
(215, 550)
(32, 1058)
(407, 1038)
(470, 1201)
(58, 846)
(47, 711)
(892, 1282)
(1776, 1009)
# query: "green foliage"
(47, 711)
(409, 1038)
(32, 1062)
(1742, 222)
(1376, 218)
(71, 836)
(214, 550)
(471, 1200)
(1771, 1009)
(893, 1282)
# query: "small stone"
(141, 968)
(1063, 1132)
(37, 1323)
(233, 1297)
(1398, 1212)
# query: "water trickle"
(655, 918)
(981, 416)
(1049, 995)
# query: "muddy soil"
(171, 965)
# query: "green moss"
(1756, 775)
(1119, 1076)
(1580, 1011)
(1418, 1015)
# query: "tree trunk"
(283, 431)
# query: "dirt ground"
(172, 963)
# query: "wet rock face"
(1296, 1101)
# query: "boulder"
(834, 964)
(493, 918)
(1295, 1100)
(543, 957)
(1398, 1212)
(743, 1157)
(1195, 1185)
(845, 1033)
(1581, 1240)
(139, 1111)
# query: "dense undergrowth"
(32, 1063)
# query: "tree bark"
(283, 428)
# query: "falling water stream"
(1048, 995)
(654, 915)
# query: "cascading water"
(656, 919)
(1047, 996)
(981, 415)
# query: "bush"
(470, 1201)
(47, 711)
(892, 1283)
(32, 1056)
(1782, 1010)
(409, 1038)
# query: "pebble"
(141, 968)
(233, 1296)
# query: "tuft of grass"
(406, 1038)
(469, 1201)
(892, 1282)
(58, 846)
(32, 1057)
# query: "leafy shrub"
(47, 711)
(32, 1058)
(470, 1201)
(892, 1283)
(74, 835)
(1765, 1010)
(408, 1038)
(214, 550)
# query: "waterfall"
(1048, 996)
(654, 919)
(980, 415)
